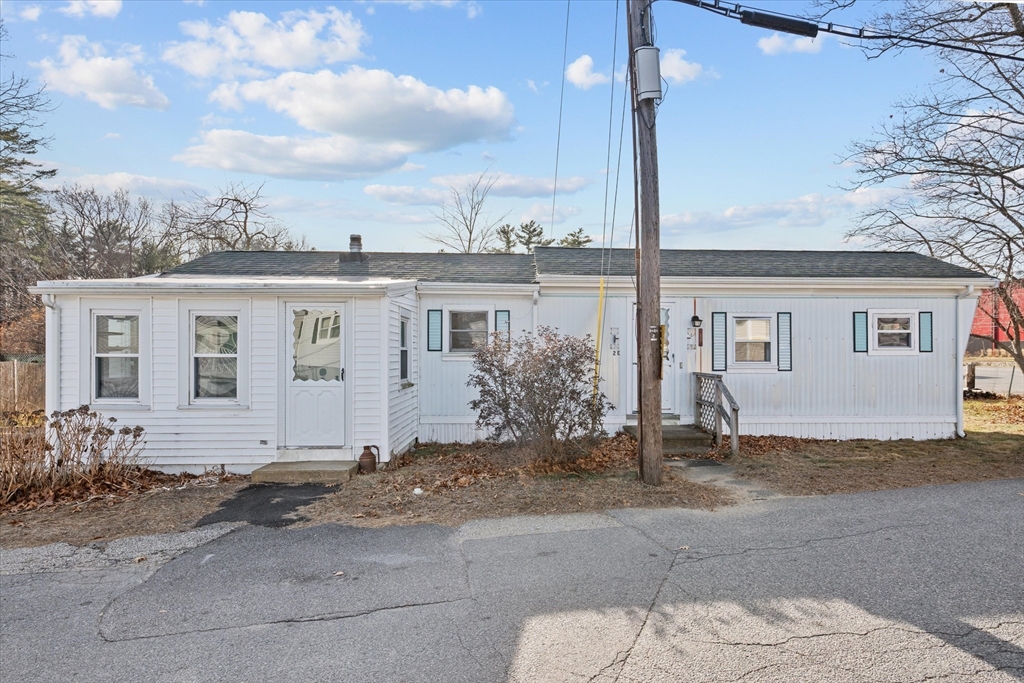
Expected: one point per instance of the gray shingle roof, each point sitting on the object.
(425, 267)
(753, 263)
(523, 268)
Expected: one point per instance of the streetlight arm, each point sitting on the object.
(786, 23)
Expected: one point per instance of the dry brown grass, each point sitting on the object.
(463, 482)
(993, 449)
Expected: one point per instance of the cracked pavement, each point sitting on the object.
(922, 584)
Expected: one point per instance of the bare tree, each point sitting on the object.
(957, 152)
(234, 218)
(23, 210)
(463, 226)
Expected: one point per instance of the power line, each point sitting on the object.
(789, 23)
(561, 101)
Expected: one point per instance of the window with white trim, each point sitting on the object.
(403, 349)
(116, 357)
(752, 340)
(214, 357)
(467, 330)
(893, 332)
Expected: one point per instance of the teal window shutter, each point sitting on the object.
(718, 342)
(860, 332)
(925, 323)
(433, 330)
(501, 321)
(785, 342)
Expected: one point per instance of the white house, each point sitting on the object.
(246, 358)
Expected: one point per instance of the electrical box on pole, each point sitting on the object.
(648, 72)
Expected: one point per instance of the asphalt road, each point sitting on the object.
(912, 585)
(1000, 379)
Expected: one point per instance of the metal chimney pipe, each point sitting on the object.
(355, 243)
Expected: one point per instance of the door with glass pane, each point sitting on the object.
(315, 410)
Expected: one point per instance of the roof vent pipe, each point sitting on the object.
(355, 243)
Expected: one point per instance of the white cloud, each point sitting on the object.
(677, 70)
(31, 12)
(321, 158)
(112, 136)
(473, 9)
(245, 43)
(532, 86)
(148, 186)
(375, 105)
(404, 194)
(541, 212)
(84, 71)
(509, 185)
(810, 210)
(777, 44)
(97, 8)
(226, 95)
(581, 73)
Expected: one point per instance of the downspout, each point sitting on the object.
(536, 309)
(52, 399)
(959, 361)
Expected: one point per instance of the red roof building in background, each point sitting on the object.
(992, 320)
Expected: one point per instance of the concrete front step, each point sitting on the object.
(680, 439)
(306, 472)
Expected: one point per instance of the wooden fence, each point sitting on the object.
(22, 386)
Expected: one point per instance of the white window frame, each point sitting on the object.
(446, 338)
(914, 331)
(405, 320)
(88, 311)
(193, 314)
(187, 312)
(732, 365)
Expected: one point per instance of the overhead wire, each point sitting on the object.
(561, 102)
(604, 219)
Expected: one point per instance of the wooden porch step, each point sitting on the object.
(306, 472)
(680, 439)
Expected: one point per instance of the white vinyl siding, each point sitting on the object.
(403, 393)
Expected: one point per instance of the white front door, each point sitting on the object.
(669, 361)
(315, 410)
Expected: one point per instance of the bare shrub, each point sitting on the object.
(77, 452)
(538, 389)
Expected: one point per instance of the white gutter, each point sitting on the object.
(52, 398)
(168, 286)
(959, 360)
(760, 284)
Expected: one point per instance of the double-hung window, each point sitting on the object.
(116, 357)
(467, 330)
(752, 340)
(894, 332)
(403, 349)
(214, 357)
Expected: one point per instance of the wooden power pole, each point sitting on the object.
(649, 329)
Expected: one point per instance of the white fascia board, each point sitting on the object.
(214, 285)
(619, 285)
(400, 288)
(464, 288)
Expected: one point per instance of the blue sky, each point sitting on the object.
(359, 116)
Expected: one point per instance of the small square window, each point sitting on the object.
(467, 330)
(753, 340)
(893, 332)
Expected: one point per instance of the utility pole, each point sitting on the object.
(649, 331)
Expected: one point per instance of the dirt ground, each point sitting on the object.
(993, 449)
(158, 511)
(459, 482)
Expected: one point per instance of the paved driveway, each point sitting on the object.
(913, 585)
(998, 378)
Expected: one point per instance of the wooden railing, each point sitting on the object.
(709, 409)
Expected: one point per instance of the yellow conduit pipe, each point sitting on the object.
(600, 326)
